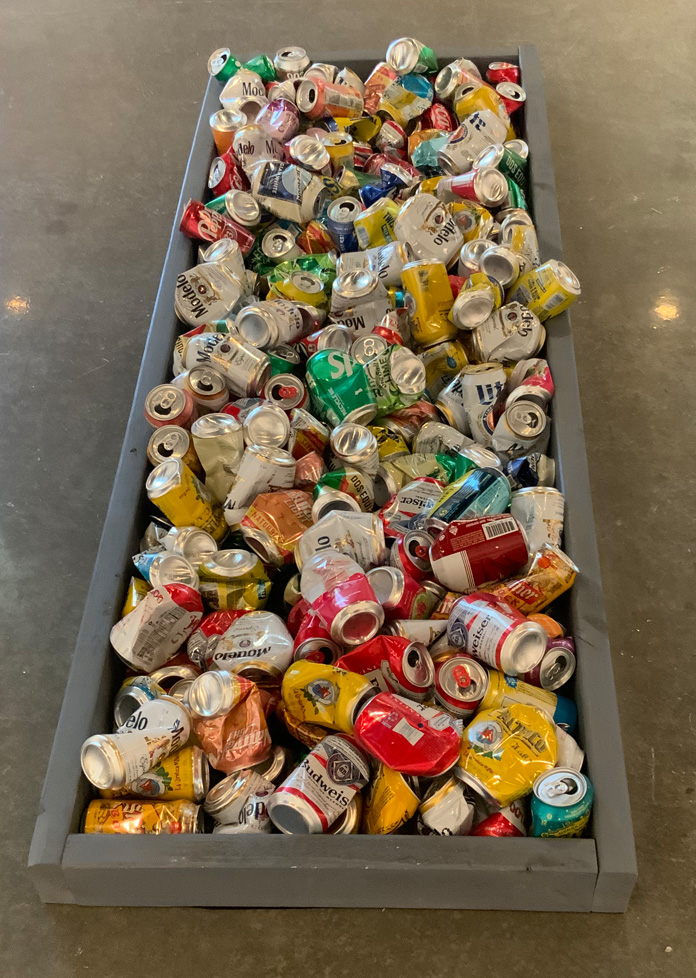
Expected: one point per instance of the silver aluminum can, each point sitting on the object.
(355, 445)
(249, 106)
(168, 568)
(453, 75)
(242, 208)
(329, 500)
(363, 318)
(309, 152)
(501, 264)
(290, 61)
(511, 92)
(518, 146)
(357, 534)
(190, 542)
(347, 77)
(260, 469)
(133, 694)
(279, 244)
(256, 646)
(319, 69)
(252, 145)
(476, 133)
(386, 260)
(510, 334)
(226, 253)
(522, 428)
(208, 291)
(241, 85)
(367, 347)
(270, 323)
(540, 511)
(245, 368)
(354, 287)
(438, 438)
(227, 800)
(425, 224)
(335, 336)
(214, 693)
(447, 808)
(219, 443)
(267, 426)
(288, 191)
(471, 254)
(472, 308)
(281, 89)
(471, 394)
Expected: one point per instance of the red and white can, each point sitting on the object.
(202, 224)
(391, 137)
(438, 116)
(508, 822)
(512, 95)
(496, 634)
(393, 665)
(154, 631)
(313, 642)
(460, 683)
(407, 736)
(502, 71)
(414, 499)
(530, 380)
(201, 643)
(469, 553)
(399, 594)
(410, 553)
(226, 174)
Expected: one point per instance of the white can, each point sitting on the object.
(425, 224)
(478, 131)
(496, 634)
(511, 333)
(320, 788)
(259, 470)
(229, 801)
(540, 511)
(255, 646)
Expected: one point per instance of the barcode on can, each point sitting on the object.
(551, 301)
(498, 529)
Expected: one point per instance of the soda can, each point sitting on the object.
(172, 441)
(530, 380)
(441, 439)
(496, 634)
(285, 391)
(222, 65)
(356, 446)
(280, 119)
(307, 434)
(319, 790)
(284, 359)
(428, 300)
(407, 736)
(510, 333)
(561, 804)
(399, 594)
(570, 754)
(476, 96)
(392, 664)
(547, 290)
(522, 240)
(410, 553)
(134, 817)
(169, 405)
(429, 229)
(340, 219)
(114, 760)
(377, 81)
(470, 553)
(339, 388)
(339, 146)
(290, 62)
(522, 428)
(201, 224)
(274, 524)
(447, 809)
(460, 683)
(224, 124)
(540, 512)
(512, 94)
(408, 55)
(466, 401)
(227, 800)
(556, 667)
(317, 97)
(405, 99)
(313, 642)
(551, 574)
(219, 442)
(396, 377)
(226, 174)
(279, 245)
(368, 346)
(478, 131)
(137, 589)
(499, 71)
(153, 631)
(453, 75)
(485, 186)
(319, 69)
(259, 470)
(481, 492)
(534, 469)
(502, 823)
(504, 751)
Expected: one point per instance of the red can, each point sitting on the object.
(226, 174)
(202, 224)
(279, 118)
(297, 615)
(512, 95)
(407, 736)
(315, 239)
(393, 665)
(460, 683)
(316, 98)
(438, 116)
(313, 642)
(199, 648)
(391, 335)
(375, 163)
(509, 822)
(469, 553)
(391, 137)
(361, 154)
(411, 553)
(400, 595)
(499, 71)
(379, 79)
(456, 284)
(168, 404)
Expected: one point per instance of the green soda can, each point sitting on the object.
(358, 485)
(407, 55)
(284, 359)
(474, 457)
(561, 803)
(509, 163)
(339, 389)
(263, 66)
(222, 65)
(516, 196)
(397, 378)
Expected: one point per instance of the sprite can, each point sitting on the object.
(397, 378)
(339, 388)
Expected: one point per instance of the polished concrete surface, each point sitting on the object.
(98, 106)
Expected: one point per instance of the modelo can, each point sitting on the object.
(561, 804)
(387, 260)
(183, 775)
(320, 789)
(251, 145)
(391, 800)
(134, 817)
(211, 290)
(245, 368)
(429, 229)
(428, 300)
(392, 664)
(540, 512)
(511, 333)
(256, 646)
(547, 290)
(460, 682)
(496, 634)
(470, 553)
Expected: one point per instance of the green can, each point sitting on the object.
(351, 481)
(339, 389)
(397, 378)
(218, 205)
(561, 803)
(509, 163)
(516, 195)
(284, 359)
(407, 55)
(263, 66)
(222, 65)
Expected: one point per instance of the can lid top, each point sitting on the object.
(214, 425)
(169, 440)
(101, 762)
(472, 308)
(526, 419)
(310, 152)
(217, 60)
(561, 787)
(462, 678)
(565, 276)
(402, 54)
(228, 119)
(556, 668)
(501, 264)
(226, 791)
(330, 500)
(511, 91)
(518, 146)
(231, 563)
(307, 94)
(168, 568)
(165, 402)
(277, 242)
(206, 380)
(407, 371)
(242, 207)
(352, 442)
(164, 477)
(490, 186)
(356, 282)
(344, 209)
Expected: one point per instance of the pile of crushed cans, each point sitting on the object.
(340, 621)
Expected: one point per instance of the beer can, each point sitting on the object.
(226, 801)
(216, 692)
(428, 300)
(502, 690)
(551, 574)
(377, 81)
(472, 552)
(318, 791)
(243, 83)
(285, 391)
(476, 96)
(561, 804)
(496, 634)
(389, 442)
(176, 491)
(391, 800)
(441, 439)
(387, 260)
(287, 191)
(443, 362)
(132, 694)
(307, 434)
(275, 522)
(460, 683)
(453, 75)
(410, 553)
(375, 225)
(523, 427)
(405, 98)
(134, 817)
(447, 809)
(354, 288)
(470, 256)
(167, 404)
(530, 380)
(556, 667)
(222, 65)
(168, 568)
(512, 95)
(251, 144)
(290, 62)
(210, 290)
(358, 534)
(466, 401)
(540, 511)
(257, 646)
(392, 664)
(267, 426)
(253, 815)
(245, 368)
(480, 492)
(507, 822)
(206, 386)
(339, 146)
(476, 133)
(313, 642)
(534, 469)
(219, 442)
(355, 446)
(429, 229)
(340, 221)
(279, 245)
(137, 589)
(172, 441)
(395, 472)
(504, 158)
(547, 290)
(260, 469)
(510, 333)
(183, 775)
(400, 595)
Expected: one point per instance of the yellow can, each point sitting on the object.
(429, 185)
(389, 442)
(442, 363)
(183, 775)
(473, 98)
(185, 501)
(375, 226)
(142, 817)
(235, 595)
(389, 803)
(428, 300)
(547, 290)
(309, 734)
(137, 589)
(362, 130)
(522, 239)
(552, 572)
(323, 694)
(479, 281)
(300, 287)
(505, 750)
(339, 146)
(504, 690)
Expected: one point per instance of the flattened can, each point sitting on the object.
(510, 333)
(176, 491)
(443, 362)
(540, 511)
(429, 229)
(447, 809)
(375, 226)
(399, 594)
(551, 574)
(428, 300)
(390, 801)
(534, 469)
(547, 290)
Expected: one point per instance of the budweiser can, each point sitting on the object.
(470, 553)
(410, 553)
(392, 664)
(320, 789)
(496, 634)
(460, 682)
(399, 594)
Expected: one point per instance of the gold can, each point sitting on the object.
(349, 822)
(504, 690)
(505, 750)
(234, 580)
(552, 572)
(390, 802)
(142, 817)
(429, 186)
(444, 609)
(442, 363)
(339, 146)
(428, 300)
(331, 697)
(471, 98)
(375, 226)
(184, 775)
(309, 734)
(473, 220)
(137, 589)
(362, 130)
(300, 287)
(389, 442)
(183, 499)
(547, 290)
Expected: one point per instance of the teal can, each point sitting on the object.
(480, 492)
(561, 804)
(284, 359)
(339, 389)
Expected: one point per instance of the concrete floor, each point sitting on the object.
(98, 106)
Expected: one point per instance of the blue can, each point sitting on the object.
(340, 221)
(530, 471)
(566, 714)
(561, 803)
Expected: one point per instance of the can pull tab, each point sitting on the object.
(562, 787)
(461, 676)
(421, 552)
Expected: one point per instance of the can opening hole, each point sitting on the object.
(413, 658)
